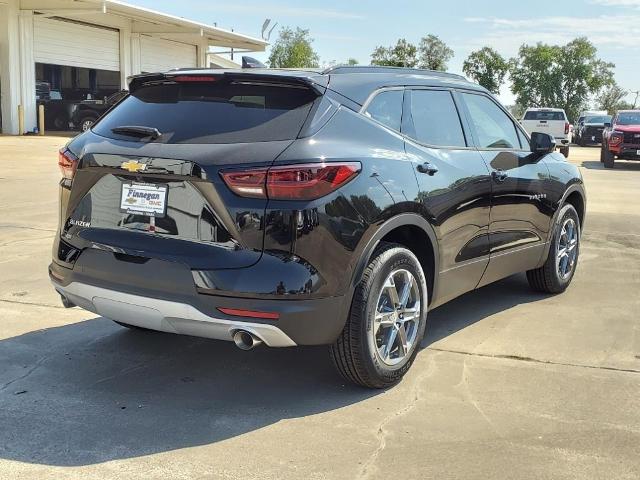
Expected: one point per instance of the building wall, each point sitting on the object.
(9, 61)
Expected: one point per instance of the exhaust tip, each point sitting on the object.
(66, 303)
(245, 340)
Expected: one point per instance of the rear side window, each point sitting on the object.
(541, 115)
(493, 127)
(210, 112)
(386, 108)
(435, 119)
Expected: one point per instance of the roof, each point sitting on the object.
(358, 85)
(544, 109)
(341, 69)
(145, 21)
(629, 111)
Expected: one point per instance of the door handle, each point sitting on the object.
(499, 175)
(427, 168)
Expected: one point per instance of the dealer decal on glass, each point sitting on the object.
(144, 199)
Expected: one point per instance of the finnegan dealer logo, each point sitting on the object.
(145, 195)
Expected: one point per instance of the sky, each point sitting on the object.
(353, 29)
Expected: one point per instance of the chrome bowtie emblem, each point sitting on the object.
(133, 166)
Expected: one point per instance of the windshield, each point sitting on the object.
(628, 118)
(598, 119)
(209, 112)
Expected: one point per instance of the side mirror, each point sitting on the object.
(607, 124)
(542, 143)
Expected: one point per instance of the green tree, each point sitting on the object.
(293, 49)
(610, 99)
(559, 76)
(352, 61)
(403, 54)
(487, 67)
(434, 53)
(517, 110)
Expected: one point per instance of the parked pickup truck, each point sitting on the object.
(589, 130)
(552, 121)
(85, 113)
(621, 138)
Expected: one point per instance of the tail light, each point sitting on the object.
(307, 181)
(566, 127)
(67, 162)
(616, 138)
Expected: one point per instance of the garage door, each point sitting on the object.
(77, 45)
(160, 55)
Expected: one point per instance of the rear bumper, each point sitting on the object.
(163, 295)
(166, 316)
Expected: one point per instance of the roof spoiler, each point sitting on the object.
(316, 84)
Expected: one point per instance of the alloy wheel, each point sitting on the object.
(397, 317)
(567, 248)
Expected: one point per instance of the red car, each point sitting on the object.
(621, 138)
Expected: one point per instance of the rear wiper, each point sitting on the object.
(137, 131)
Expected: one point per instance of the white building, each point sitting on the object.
(89, 48)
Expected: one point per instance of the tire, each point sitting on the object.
(565, 151)
(133, 327)
(357, 353)
(608, 159)
(86, 123)
(602, 153)
(580, 141)
(548, 278)
(60, 123)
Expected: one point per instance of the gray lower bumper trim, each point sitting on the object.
(165, 316)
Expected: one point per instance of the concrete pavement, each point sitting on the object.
(509, 384)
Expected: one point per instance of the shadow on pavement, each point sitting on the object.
(92, 392)
(619, 165)
(478, 305)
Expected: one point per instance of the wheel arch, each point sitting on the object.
(574, 195)
(576, 198)
(412, 231)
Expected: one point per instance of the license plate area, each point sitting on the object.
(144, 199)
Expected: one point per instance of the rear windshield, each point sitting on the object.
(628, 118)
(210, 112)
(541, 115)
(598, 119)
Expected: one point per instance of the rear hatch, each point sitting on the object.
(551, 122)
(148, 181)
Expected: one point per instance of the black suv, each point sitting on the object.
(305, 208)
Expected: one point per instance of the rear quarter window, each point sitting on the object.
(540, 115)
(211, 112)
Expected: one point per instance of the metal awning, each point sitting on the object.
(145, 21)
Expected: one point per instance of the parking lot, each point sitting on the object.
(509, 384)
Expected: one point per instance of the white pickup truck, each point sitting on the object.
(552, 121)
